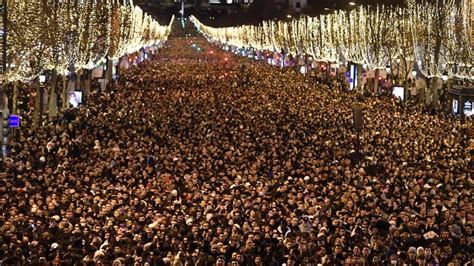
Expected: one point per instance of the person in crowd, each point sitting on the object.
(179, 165)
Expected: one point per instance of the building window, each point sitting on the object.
(298, 5)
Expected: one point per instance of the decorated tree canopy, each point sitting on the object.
(435, 36)
(69, 35)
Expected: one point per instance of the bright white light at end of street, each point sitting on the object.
(289, 16)
(352, 3)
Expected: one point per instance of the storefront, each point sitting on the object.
(462, 99)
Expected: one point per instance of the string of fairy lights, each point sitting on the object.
(433, 38)
(69, 35)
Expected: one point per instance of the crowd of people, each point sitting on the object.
(182, 163)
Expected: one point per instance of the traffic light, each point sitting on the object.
(5, 126)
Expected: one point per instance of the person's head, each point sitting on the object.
(356, 251)
(393, 259)
(421, 260)
(337, 249)
(291, 261)
(412, 253)
(365, 251)
(220, 261)
(376, 260)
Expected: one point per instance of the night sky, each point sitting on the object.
(231, 15)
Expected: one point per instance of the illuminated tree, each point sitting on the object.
(432, 23)
(26, 41)
(378, 39)
(66, 37)
(460, 42)
(436, 36)
(404, 42)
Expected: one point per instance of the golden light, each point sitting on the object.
(371, 36)
(74, 36)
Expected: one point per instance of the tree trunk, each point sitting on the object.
(110, 65)
(4, 98)
(64, 92)
(15, 97)
(376, 81)
(37, 112)
(405, 89)
(117, 68)
(359, 77)
(422, 95)
(406, 85)
(87, 84)
(53, 104)
(78, 84)
(3, 94)
(428, 92)
(434, 86)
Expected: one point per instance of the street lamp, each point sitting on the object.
(445, 76)
(351, 3)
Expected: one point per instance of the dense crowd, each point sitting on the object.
(183, 163)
